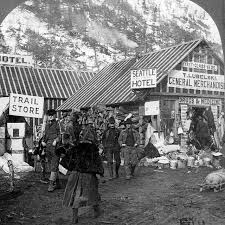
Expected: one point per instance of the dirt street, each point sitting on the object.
(155, 197)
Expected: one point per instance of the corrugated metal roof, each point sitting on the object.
(112, 84)
(48, 83)
(103, 85)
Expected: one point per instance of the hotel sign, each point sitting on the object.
(197, 81)
(203, 66)
(143, 78)
(16, 60)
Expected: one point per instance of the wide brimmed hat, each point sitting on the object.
(51, 112)
(111, 120)
(128, 121)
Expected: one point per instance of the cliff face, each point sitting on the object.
(91, 34)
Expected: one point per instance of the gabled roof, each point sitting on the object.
(112, 84)
(48, 83)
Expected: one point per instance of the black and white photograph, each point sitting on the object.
(112, 112)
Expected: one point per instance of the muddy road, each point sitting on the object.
(156, 197)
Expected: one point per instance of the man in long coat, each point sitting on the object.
(51, 139)
(64, 121)
(112, 147)
(203, 132)
(129, 140)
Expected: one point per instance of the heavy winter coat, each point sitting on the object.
(110, 138)
(210, 120)
(85, 158)
(123, 137)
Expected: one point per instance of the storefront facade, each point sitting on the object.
(188, 75)
(52, 85)
(195, 83)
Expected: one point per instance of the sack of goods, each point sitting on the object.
(214, 180)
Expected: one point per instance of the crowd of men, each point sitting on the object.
(75, 146)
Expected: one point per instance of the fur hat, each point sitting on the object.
(111, 120)
(51, 112)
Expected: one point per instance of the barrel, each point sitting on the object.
(181, 164)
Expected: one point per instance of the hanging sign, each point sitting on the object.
(17, 60)
(197, 65)
(199, 101)
(26, 105)
(143, 78)
(152, 108)
(197, 81)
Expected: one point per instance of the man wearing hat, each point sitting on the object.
(88, 134)
(202, 131)
(112, 147)
(129, 140)
(64, 121)
(51, 140)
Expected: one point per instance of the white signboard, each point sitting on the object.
(17, 60)
(196, 65)
(198, 81)
(152, 108)
(200, 101)
(26, 105)
(143, 78)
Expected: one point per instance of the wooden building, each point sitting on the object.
(55, 85)
(188, 75)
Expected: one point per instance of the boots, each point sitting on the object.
(75, 216)
(127, 172)
(117, 170)
(43, 179)
(110, 169)
(52, 186)
(96, 211)
(57, 182)
(132, 170)
(52, 182)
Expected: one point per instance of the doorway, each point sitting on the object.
(197, 111)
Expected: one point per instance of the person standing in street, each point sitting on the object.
(220, 128)
(51, 139)
(63, 122)
(208, 114)
(112, 148)
(129, 140)
(82, 185)
(203, 132)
